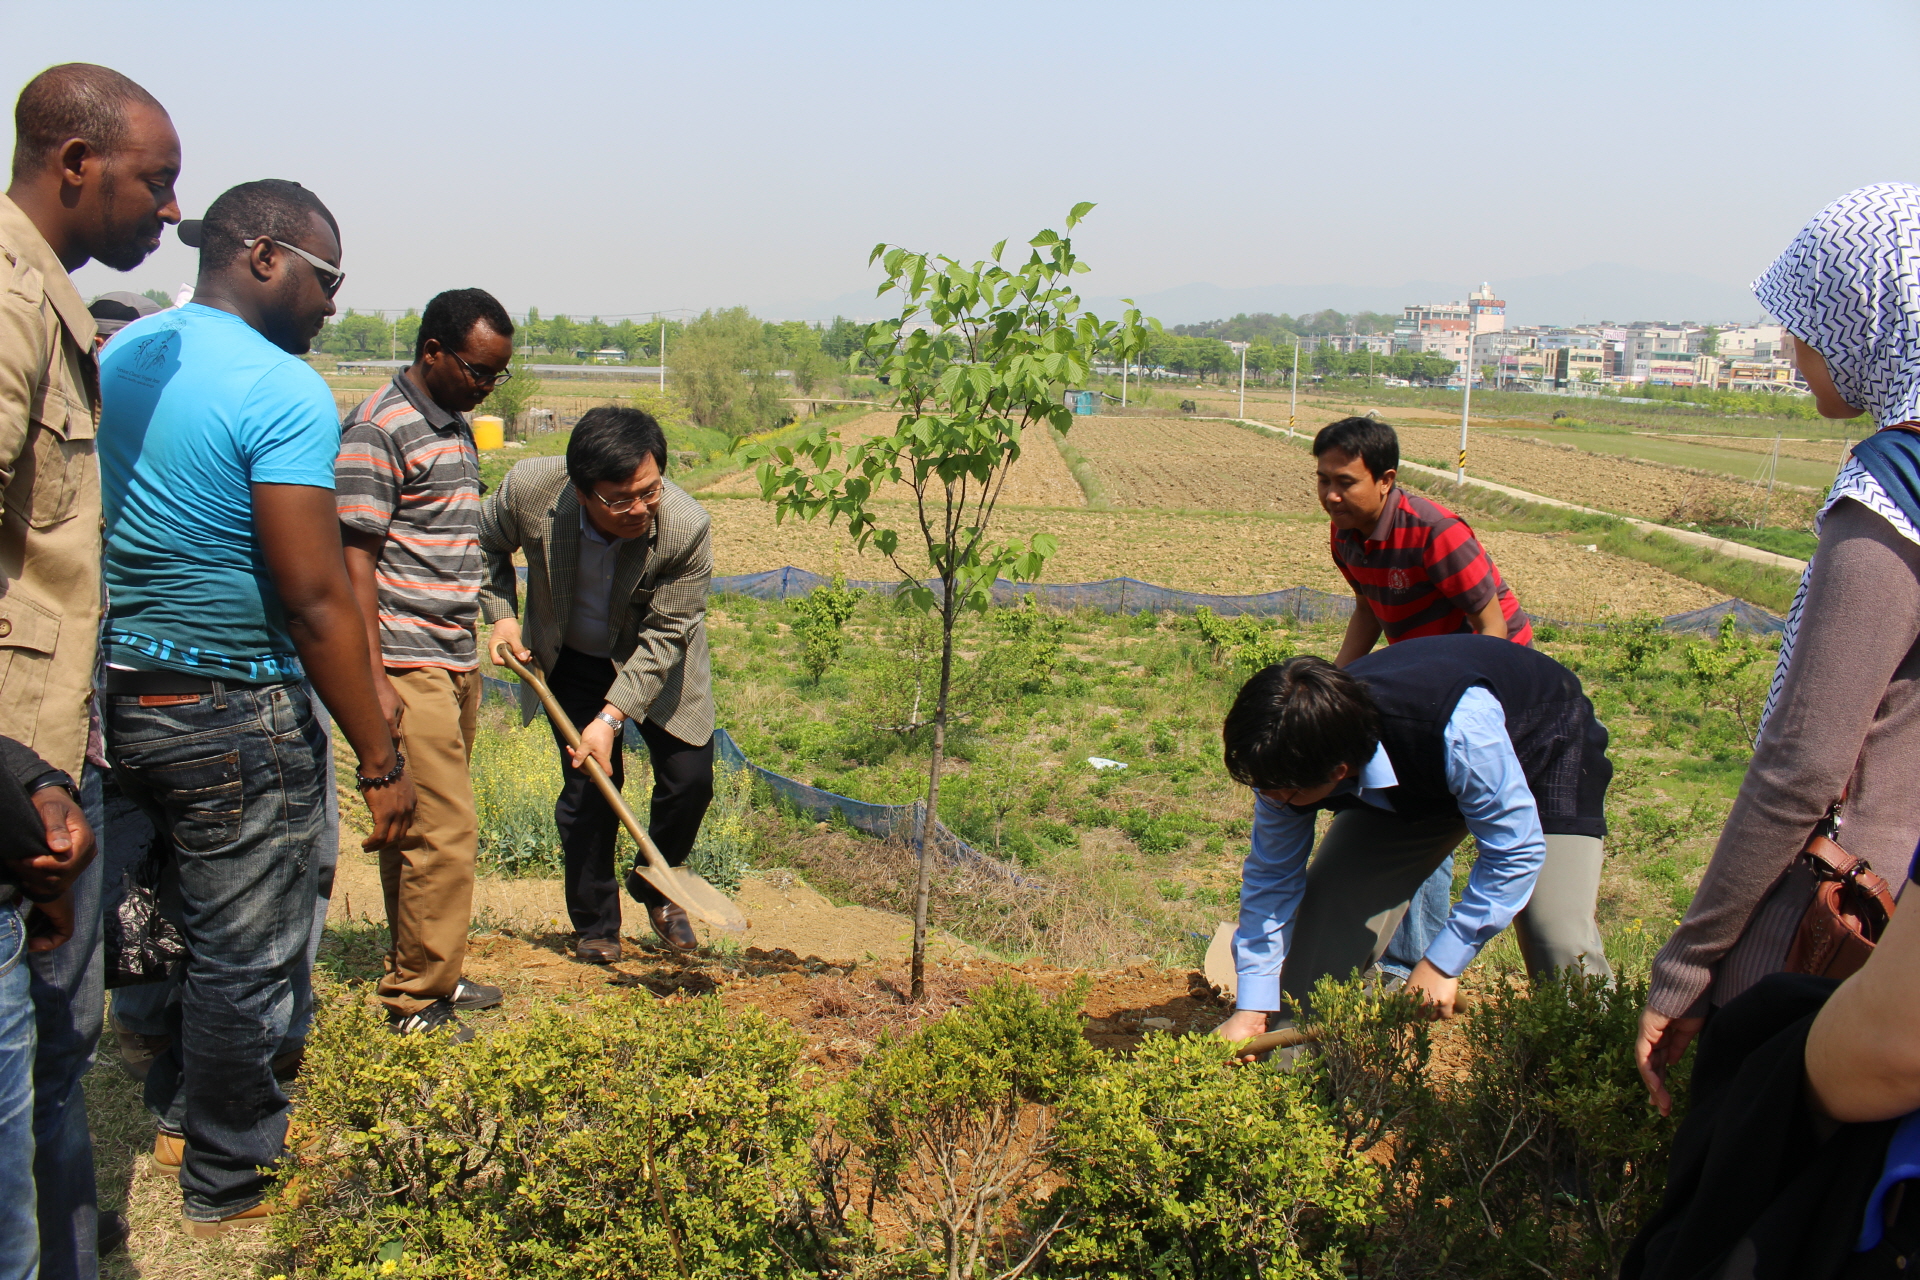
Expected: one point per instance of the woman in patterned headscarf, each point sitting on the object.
(1843, 716)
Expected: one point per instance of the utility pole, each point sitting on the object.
(1773, 471)
(1293, 398)
(663, 354)
(1125, 363)
(1243, 376)
(1466, 397)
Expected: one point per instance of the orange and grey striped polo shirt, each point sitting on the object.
(408, 469)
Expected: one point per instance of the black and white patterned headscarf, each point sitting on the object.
(1849, 286)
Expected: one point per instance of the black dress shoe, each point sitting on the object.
(671, 924)
(468, 994)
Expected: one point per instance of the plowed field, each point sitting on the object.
(1182, 465)
(1644, 489)
(1222, 554)
(1039, 479)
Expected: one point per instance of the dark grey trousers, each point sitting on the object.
(1370, 864)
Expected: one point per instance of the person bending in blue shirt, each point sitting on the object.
(1413, 748)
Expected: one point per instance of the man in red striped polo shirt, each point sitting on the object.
(1416, 570)
(1415, 567)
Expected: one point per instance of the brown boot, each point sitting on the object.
(169, 1149)
(671, 923)
(208, 1230)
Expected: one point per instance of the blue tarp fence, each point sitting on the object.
(882, 821)
(1130, 595)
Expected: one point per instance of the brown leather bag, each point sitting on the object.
(1850, 909)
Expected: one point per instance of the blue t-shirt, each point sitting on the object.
(195, 406)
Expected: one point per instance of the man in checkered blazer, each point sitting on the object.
(618, 561)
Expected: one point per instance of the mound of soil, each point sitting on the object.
(841, 1009)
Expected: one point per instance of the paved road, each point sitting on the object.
(1735, 550)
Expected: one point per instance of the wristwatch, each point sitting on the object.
(55, 778)
(604, 718)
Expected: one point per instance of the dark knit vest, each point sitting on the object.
(1562, 748)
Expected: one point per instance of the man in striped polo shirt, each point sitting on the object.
(408, 480)
(1416, 570)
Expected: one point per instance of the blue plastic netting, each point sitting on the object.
(882, 821)
(1130, 595)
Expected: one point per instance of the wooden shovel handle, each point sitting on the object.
(1288, 1037)
(571, 736)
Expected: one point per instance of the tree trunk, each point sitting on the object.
(930, 815)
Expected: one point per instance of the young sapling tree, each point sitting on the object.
(978, 354)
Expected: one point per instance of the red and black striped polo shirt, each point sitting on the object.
(1422, 571)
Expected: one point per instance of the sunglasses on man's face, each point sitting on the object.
(330, 276)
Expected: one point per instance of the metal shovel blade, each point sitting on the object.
(700, 900)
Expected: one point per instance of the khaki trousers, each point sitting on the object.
(428, 875)
(1370, 864)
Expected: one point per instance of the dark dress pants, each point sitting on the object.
(682, 789)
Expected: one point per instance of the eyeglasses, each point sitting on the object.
(481, 379)
(650, 498)
(331, 277)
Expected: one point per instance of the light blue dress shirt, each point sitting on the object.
(1487, 783)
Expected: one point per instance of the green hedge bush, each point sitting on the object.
(627, 1137)
(630, 1136)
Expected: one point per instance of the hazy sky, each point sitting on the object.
(629, 157)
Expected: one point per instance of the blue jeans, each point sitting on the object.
(1426, 917)
(239, 782)
(19, 1231)
(126, 839)
(69, 1004)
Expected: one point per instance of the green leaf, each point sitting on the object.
(1080, 211)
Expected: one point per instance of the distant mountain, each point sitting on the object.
(1601, 291)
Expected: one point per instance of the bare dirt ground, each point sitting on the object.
(1039, 479)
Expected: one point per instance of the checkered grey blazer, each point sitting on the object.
(659, 641)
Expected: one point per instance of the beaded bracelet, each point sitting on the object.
(390, 776)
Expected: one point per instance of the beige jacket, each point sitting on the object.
(658, 641)
(49, 498)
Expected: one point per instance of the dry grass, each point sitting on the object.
(984, 901)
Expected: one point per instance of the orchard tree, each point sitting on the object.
(977, 356)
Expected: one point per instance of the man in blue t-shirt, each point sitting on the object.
(228, 590)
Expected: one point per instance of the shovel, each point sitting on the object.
(1288, 1037)
(1220, 972)
(692, 893)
